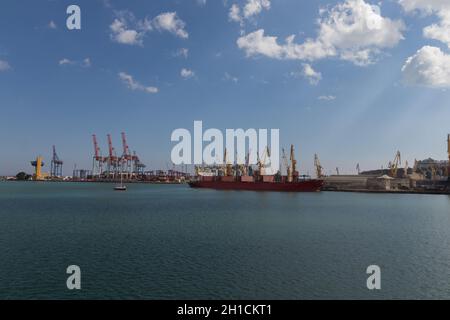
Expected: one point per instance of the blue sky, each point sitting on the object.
(345, 96)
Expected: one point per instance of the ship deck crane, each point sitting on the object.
(294, 173)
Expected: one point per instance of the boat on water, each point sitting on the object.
(245, 177)
(120, 187)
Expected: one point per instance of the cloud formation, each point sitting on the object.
(441, 8)
(428, 67)
(250, 9)
(135, 85)
(170, 22)
(353, 31)
(327, 98)
(182, 52)
(126, 29)
(4, 65)
(187, 73)
(86, 63)
(310, 74)
(52, 25)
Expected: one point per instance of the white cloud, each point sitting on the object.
(229, 77)
(254, 7)
(187, 73)
(86, 63)
(182, 52)
(327, 98)
(126, 29)
(310, 74)
(354, 31)
(235, 13)
(65, 61)
(201, 2)
(429, 67)
(169, 21)
(441, 8)
(52, 25)
(426, 6)
(135, 85)
(123, 34)
(251, 8)
(4, 65)
(257, 43)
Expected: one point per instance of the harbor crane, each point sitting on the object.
(394, 165)
(262, 163)
(285, 160)
(97, 161)
(293, 165)
(318, 166)
(56, 165)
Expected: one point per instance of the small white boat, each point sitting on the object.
(120, 187)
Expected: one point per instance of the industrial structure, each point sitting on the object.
(426, 175)
(38, 174)
(113, 166)
(56, 165)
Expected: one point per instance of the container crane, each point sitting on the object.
(126, 159)
(97, 161)
(112, 159)
(56, 165)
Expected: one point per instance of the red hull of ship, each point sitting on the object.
(300, 186)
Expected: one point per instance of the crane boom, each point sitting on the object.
(96, 147)
(126, 150)
(110, 147)
(393, 166)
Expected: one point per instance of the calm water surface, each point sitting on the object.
(172, 242)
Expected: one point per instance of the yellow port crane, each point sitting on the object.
(318, 166)
(38, 164)
(393, 166)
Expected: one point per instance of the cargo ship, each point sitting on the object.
(243, 177)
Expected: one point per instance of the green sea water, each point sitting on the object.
(173, 242)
